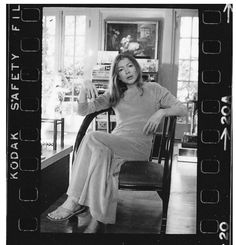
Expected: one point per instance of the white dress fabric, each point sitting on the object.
(96, 167)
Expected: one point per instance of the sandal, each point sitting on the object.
(69, 213)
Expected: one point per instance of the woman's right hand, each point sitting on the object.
(89, 89)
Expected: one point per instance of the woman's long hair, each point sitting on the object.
(116, 86)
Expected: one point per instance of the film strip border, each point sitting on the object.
(24, 113)
(214, 125)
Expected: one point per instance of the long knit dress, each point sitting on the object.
(96, 167)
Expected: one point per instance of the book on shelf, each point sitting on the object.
(101, 71)
(100, 76)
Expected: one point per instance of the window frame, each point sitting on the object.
(178, 13)
(67, 12)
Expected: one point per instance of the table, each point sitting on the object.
(54, 175)
(56, 122)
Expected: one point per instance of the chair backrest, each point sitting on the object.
(166, 153)
(162, 148)
(83, 128)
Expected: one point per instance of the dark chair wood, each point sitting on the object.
(145, 175)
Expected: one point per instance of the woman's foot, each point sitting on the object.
(67, 210)
(95, 227)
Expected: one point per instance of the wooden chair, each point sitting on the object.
(145, 175)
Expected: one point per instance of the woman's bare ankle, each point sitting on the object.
(71, 203)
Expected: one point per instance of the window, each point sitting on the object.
(73, 58)
(63, 62)
(188, 59)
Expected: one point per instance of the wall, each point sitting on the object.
(167, 72)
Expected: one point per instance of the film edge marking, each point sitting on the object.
(14, 155)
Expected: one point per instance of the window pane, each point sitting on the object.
(79, 66)
(69, 25)
(68, 66)
(186, 90)
(192, 90)
(67, 98)
(186, 27)
(195, 27)
(66, 107)
(184, 70)
(185, 48)
(79, 46)
(74, 55)
(194, 51)
(69, 46)
(182, 92)
(80, 25)
(194, 71)
(65, 83)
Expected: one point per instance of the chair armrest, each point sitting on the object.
(83, 128)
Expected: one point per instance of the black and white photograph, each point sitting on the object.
(119, 133)
(118, 123)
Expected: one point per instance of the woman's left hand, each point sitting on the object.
(153, 122)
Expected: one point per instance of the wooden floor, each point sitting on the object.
(140, 212)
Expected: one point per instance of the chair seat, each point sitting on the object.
(146, 175)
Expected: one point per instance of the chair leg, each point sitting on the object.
(163, 225)
(165, 202)
(164, 216)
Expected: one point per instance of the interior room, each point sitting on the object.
(80, 43)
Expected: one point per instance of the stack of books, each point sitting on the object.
(101, 71)
(100, 76)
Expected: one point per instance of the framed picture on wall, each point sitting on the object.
(138, 38)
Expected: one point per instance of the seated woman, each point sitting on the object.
(139, 108)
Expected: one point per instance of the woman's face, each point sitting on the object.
(127, 72)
